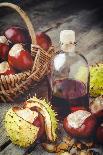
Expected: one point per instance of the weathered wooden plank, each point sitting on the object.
(40, 151)
(12, 150)
(89, 37)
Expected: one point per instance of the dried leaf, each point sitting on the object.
(63, 153)
(62, 146)
(69, 141)
(49, 147)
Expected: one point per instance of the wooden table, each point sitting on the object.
(52, 17)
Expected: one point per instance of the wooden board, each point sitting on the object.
(53, 18)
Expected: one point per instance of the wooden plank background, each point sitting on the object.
(52, 17)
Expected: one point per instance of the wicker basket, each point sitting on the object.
(13, 86)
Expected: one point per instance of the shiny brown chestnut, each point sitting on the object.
(99, 134)
(6, 69)
(4, 48)
(96, 108)
(80, 124)
(19, 58)
(16, 34)
(43, 40)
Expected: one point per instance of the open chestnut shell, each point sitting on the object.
(23, 126)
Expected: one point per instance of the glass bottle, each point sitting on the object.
(69, 77)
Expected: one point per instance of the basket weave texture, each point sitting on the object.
(12, 86)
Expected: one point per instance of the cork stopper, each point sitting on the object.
(67, 36)
(67, 40)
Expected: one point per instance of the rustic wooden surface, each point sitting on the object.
(53, 17)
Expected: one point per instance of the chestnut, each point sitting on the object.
(43, 40)
(6, 69)
(4, 48)
(97, 104)
(19, 58)
(16, 34)
(23, 126)
(32, 117)
(4, 40)
(96, 108)
(99, 134)
(80, 124)
(76, 108)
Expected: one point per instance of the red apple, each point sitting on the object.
(6, 69)
(32, 117)
(80, 124)
(17, 34)
(99, 134)
(19, 58)
(43, 40)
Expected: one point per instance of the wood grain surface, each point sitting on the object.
(52, 18)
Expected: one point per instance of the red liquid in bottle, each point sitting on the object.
(69, 94)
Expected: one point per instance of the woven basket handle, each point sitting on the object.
(25, 19)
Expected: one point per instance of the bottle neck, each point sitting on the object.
(70, 48)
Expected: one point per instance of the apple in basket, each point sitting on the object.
(43, 40)
(4, 48)
(16, 34)
(80, 124)
(19, 58)
(6, 69)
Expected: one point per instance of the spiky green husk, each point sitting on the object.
(96, 78)
(20, 131)
(46, 110)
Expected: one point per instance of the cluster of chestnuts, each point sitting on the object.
(15, 55)
(86, 124)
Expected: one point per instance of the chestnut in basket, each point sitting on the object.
(19, 58)
(43, 40)
(16, 34)
(6, 69)
(80, 124)
(4, 48)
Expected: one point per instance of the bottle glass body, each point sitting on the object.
(69, 83)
